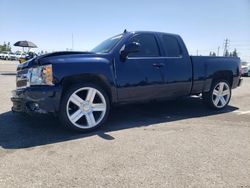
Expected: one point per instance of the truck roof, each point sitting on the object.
(153, 32)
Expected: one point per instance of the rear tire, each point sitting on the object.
(219, 95)
(84, 107)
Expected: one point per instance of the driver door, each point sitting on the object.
(139, 75)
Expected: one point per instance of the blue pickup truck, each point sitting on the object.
(81, 87)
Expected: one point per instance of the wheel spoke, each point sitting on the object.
(216, 92)
(99, 107)
(76, 115)
(221, 87)
(217, 100)
(76, 99)
(91, 95)
(90, 119)
(223, 102)
(225, 92)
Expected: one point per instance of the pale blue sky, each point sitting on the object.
(203, 24)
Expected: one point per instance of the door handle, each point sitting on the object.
(158, 65)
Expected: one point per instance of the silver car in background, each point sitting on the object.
(245, 68)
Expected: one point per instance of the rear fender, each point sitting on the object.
(224, 75)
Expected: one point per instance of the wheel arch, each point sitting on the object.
(99, 80)
(219, 75)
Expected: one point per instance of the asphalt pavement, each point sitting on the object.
(8, 67)
(165, 144)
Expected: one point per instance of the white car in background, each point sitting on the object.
(2, 55)
(8, 56)
(245, 68)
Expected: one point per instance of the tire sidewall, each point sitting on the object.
(63, 106)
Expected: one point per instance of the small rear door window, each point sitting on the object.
(171, 46)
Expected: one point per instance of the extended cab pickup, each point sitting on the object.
(80, 87)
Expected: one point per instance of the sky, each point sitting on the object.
(203, 24)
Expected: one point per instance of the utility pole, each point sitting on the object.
(226, 46)
(72, 40)
(218, 51)
(197, 52)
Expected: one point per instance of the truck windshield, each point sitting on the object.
(107, 45)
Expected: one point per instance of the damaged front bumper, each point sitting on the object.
(36, 99)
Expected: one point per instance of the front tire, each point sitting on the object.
(84, 107)
(219, 95)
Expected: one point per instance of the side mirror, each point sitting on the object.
(130, 48)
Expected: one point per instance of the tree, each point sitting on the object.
(235, 53)
(5, 47)
(8, 46)
(212, 54)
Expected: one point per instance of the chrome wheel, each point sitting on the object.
(221, 95)
(86, 107)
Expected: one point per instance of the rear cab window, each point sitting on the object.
(149, 46)
(171, 46)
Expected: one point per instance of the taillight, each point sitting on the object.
(241, 70)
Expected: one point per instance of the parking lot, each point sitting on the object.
(166, 144)
(8, 67)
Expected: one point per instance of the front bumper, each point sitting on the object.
(36, 99)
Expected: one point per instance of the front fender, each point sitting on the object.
(86, 71)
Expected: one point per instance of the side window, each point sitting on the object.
(171, 46)
(149, 47)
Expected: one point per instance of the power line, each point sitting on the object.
(243, 49)
(241, 45)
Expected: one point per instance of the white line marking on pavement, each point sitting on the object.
(242, 112)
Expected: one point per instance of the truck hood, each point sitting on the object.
(60, 57)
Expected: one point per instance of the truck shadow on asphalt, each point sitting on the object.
(18, 132)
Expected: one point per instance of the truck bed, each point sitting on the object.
(207, 67)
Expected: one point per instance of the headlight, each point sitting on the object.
(42, 75)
